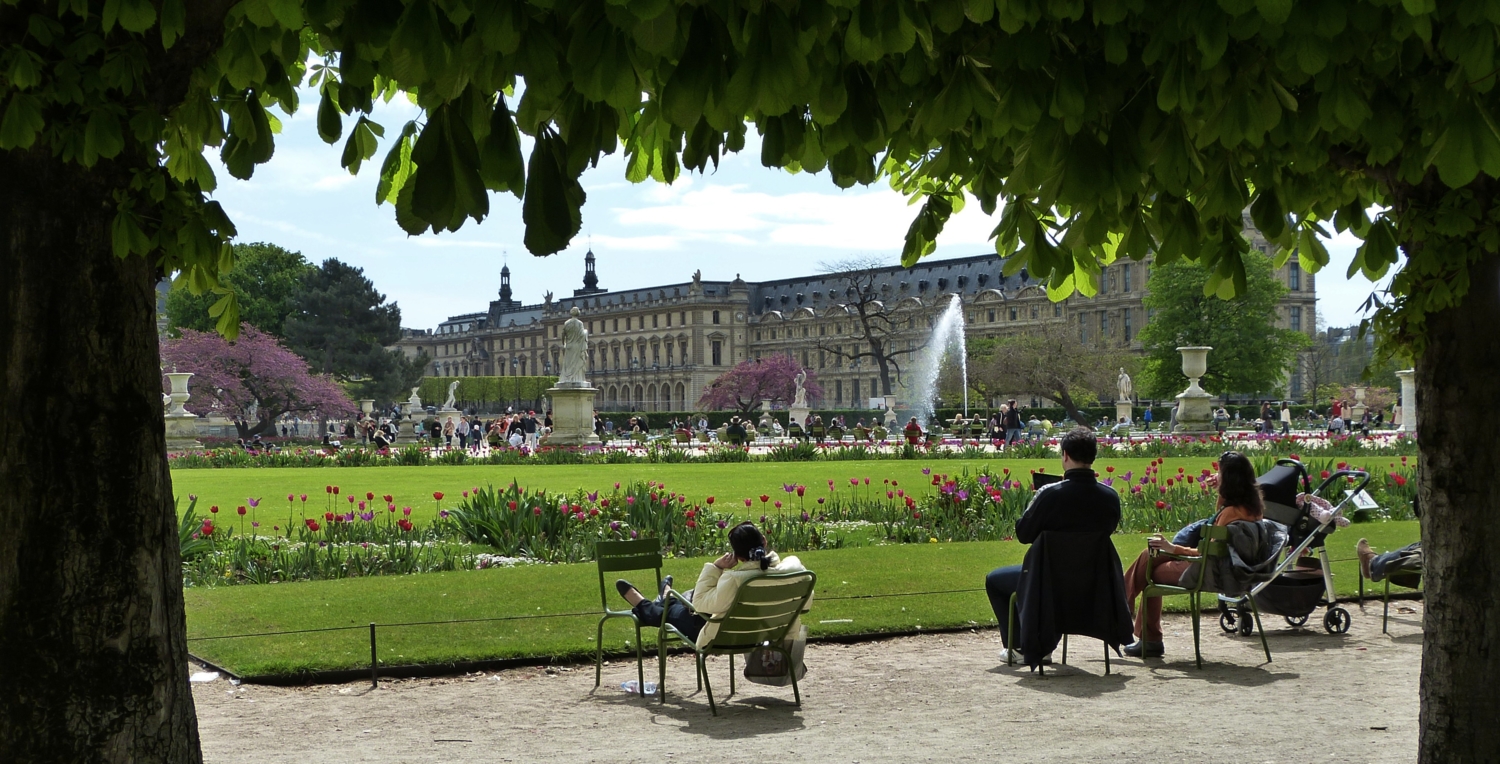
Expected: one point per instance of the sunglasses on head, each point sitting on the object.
(1224, 456)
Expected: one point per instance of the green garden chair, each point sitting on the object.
(762, 614)
(1406, 579)
(620, 557)
(1214, 543)
(1083, 551)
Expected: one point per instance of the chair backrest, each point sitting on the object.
(764, 609)
(1078, 562)
(617, 556)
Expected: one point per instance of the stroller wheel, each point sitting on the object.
(1336, 621)
(1227, 622)
(1247, 624)
(1296, 620)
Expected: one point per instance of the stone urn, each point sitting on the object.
(1195, 415)
(366, 407)
(1408, 408)
(179, 394)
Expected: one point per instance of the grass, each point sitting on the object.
(414, 486)
(855, 588)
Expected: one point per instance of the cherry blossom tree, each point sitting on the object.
(253, 379)
(757, 379)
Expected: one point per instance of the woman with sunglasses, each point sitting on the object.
(1239, 499)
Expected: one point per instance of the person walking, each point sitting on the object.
(448, 429)
(1012, 421)
(462, 431)
(530, 427)
(1286, 418)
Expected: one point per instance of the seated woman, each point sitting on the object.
(1239, 499)
(717, 585)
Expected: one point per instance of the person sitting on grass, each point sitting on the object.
(720, 580)
(1078, 503)
(1239, 499)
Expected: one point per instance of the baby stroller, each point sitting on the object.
(1302, 582)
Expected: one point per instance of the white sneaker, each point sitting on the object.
(1008, 655)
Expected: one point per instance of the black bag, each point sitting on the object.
(766, 666)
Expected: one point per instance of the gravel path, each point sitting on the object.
(941, 697)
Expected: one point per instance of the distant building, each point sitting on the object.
(658, 348)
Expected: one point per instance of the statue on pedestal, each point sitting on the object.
(1126, 387)
(800, 398)
(452, 393)
(575, 342)
(414, 403)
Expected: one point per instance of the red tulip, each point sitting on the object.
(438, 495)
(291, 497)
(764, 498)
(241, 510)
(709, 500)
(313, 526)
(335, 490)
(747, 502)
(510, 505)
(778, 505)
(692, 524)
(801, 490)
(1324, 475)
(1161, 505)
(350, 497)
(369, 495)
(327, 489)
(328, 516)
(214, 509)
(537, 511)
(1110, 468)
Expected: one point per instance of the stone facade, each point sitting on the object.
(658, 348)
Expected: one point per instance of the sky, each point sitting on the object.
(743, 219)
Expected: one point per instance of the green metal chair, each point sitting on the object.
(619, 557)
(1077, 549)
(1413, 581)
(1214, 543)
(762, 614)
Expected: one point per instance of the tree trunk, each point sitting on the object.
(1457, 392)
(1072, 408)
(92, 629)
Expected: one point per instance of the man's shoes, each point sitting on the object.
(1365, 554)
(666, 583)
(623, 586)
(1144, 649)
(1014, 656)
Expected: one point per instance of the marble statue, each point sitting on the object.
(415, 401)
(575, 342)
(1126, 387)
(800, 401)
(452, 393)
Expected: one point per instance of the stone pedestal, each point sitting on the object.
(406, 429)
(1408, 379)
(1123, 412)
(1357, 411)
(1195, 411)
(799, 415)
(366, 407)
(890, 413)
(181, 424)
(572, 417)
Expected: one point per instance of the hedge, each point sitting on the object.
(481, 391)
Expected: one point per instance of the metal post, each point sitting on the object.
(374, 660)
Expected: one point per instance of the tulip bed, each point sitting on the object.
(860, 591)
(365, 535)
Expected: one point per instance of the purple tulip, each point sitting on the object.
(615, 525)
(926, 470)
(192, 497)
(253, 502)
(594, 496)
(963, 495)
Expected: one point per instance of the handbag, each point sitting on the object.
(767, 666)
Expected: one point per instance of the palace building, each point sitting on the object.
(659, 348)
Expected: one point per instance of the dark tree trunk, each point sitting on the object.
(1072, 408)
(1458, 388)
(92, 630)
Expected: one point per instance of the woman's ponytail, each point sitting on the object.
(758, 554)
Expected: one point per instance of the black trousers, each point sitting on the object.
(650, 613)
(999, 585)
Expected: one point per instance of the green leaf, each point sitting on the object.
(22, 122)
(330, 122)
(173, 22)
(136, 15)
(500, 162)
(1467, 145)
(102, 139)
(551, 209)
(126, 236)
(1274, 11)
(288, 13)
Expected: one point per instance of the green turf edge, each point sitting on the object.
(539, 590)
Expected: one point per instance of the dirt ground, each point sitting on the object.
(941, 697)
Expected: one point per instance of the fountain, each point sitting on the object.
(947, 337)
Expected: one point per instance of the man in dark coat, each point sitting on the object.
(1077, 503)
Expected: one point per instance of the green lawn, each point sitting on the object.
(863, 574)
(730, 483)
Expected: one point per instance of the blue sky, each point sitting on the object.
(743, 219)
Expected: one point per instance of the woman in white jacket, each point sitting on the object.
(720, 580)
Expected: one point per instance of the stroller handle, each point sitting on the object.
(1363, 476)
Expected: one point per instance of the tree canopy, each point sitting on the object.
(266, 277)
(253, 377)
(753, 380)
(342, 325)
(1049, 361)
(1251, 354)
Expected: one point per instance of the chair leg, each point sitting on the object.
(707, 686)
(1197, 648)
(1106, 659)
(792, 670)
(731, 676)
(1255, 609)
(640, 665)
(1065, 650)
(1361, 577)
(1010, 659)
(1385, 614)
(599, 654)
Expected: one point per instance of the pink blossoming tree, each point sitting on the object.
(255, 374)
(756, 379)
